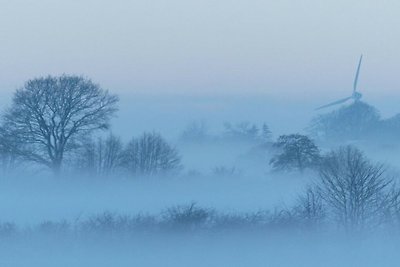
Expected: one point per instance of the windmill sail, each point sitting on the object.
(357, 74)
(355, 96)
(335, 103)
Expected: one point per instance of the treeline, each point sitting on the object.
(147, 155)
(52, 122)
(198, 132)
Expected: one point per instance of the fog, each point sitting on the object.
(227, 202)
(171, 113)
(214, 250)
(76, 218)
(186, 133)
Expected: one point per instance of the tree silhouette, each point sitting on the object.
(151, 155)
(297, 152)
(49, 115)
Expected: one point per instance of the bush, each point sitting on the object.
(187, 217)
(112, 224)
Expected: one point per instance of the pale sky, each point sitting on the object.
(281, 48)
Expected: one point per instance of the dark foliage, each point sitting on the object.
(296, 152)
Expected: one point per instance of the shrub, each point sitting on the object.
(187, 217)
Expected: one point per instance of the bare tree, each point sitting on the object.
(102, 157)
(297, 152)
(49, 115)
(355, 190)
(150, 154)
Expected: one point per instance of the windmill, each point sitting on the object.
(356, 96)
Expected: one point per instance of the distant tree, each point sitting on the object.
(356, 191)
(297, 152)
(195, 132)
(266, 134)
(243, 131)
(353, 122)
(49, 116)
(102, 157)
(151, 154)
(224, 171)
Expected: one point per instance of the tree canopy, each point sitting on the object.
(296, 152)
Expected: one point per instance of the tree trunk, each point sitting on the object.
(56, 167)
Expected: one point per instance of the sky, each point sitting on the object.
(284, 51)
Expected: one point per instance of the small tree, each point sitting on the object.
(103, 157)
(355, 190)
(297, 152)
(150, 154)
(48, 116)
